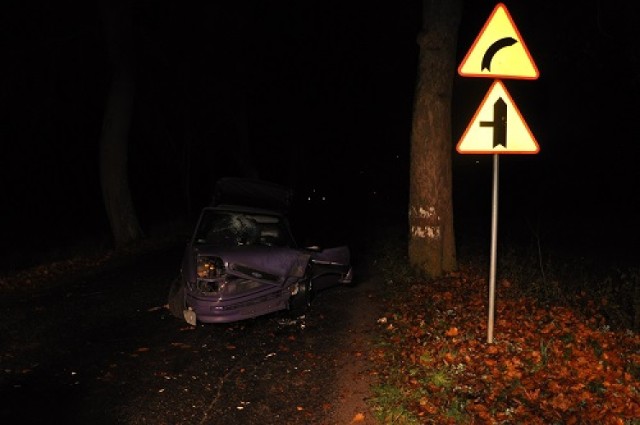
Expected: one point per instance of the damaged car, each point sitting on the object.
(242, 260)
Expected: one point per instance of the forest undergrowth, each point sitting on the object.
(559, 354)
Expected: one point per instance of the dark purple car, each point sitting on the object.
(243, 262)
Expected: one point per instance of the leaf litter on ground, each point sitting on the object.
(546, 364)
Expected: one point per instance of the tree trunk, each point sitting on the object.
(116, 125)
(431, 240)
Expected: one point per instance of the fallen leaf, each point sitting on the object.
(490, 362)
(359, 417)
(505, 283)
(453, 331)
(449, 358)
(532, 395)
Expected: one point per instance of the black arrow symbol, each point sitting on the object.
(493, 49)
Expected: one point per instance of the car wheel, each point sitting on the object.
(301, 300)
(176, 299)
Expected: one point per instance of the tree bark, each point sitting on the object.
(116, 125)
(432, 250)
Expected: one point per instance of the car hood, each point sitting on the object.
(281, 261)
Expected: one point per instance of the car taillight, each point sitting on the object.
(209, 267)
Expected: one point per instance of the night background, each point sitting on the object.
(328, 90)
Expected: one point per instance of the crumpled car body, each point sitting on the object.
(242, 262)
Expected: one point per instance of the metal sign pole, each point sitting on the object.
(494, 248)
(499, 32)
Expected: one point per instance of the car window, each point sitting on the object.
(237, 229)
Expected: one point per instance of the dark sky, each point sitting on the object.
(329, 83)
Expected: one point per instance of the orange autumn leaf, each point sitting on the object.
(427, 407)
(490, 362)
(359, 417)
(449, 358)
(548, 328)
(561, 402)
(513, 374)
(492, 349)
(532, 395)
(453, 331)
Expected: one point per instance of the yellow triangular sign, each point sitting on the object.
(499, 51)
(498, 127)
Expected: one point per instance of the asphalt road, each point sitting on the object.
(102, 349)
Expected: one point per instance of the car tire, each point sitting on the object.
(176, 299)
(300, 302)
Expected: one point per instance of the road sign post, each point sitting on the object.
(497, 126)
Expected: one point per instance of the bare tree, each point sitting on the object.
(117, 17)
(431, 240)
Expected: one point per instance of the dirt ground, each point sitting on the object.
(355, 377)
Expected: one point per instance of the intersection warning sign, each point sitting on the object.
(498, 127)
(499, 51)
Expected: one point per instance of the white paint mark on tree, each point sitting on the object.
(426, 213)
(431, 232)
(425, 223)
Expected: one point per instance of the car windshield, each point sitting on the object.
(230, 228)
